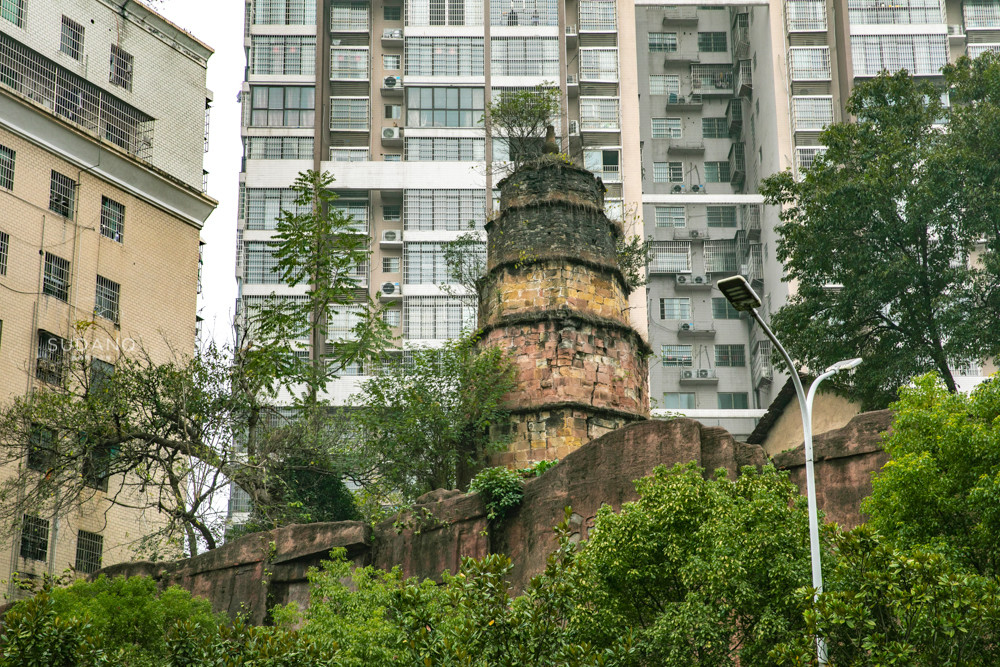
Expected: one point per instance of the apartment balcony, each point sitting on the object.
(805, 16)
(760, 363)
(392, 37)
(685, 146)
(809, 63)
(689, 330)
(734, 115)
(750, 221)
(349, 17)
(737, 164)
(572, 35)
(805, 156)
(680, 15)
(712, 79)
(741, 35)
(680, 57)
(744, 79)
(811, 113)
(699, 376)
(681, 102)
(981, 15)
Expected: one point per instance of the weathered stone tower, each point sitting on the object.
(555, 297)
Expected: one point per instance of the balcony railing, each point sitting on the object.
(741, 35)
(981, 15)
(809, 63)
(737, 163)
(750, 221)
(744, 78)
(712, 79)
(734, 115)
(805, 15)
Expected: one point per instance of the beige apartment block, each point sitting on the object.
(103, 125)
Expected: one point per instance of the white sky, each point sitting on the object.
(218, 23)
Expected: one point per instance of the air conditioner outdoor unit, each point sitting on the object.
(390, 288)
(687, 326)
(393, 82)
(694, 234)
(703, 372)
(700, 280)
(697, 187)
(677, 189)
(392, 33)
(682, 280)
(391, 236)
(391, 133)
(687, 374)
(574, 128)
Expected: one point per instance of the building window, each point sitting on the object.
(4, 251)
(678, 401)
(526, 56)
(675, 355)
(41, 448)
(599, 15)
(670, 257)
(920, 55)
(392, 212)
(662, 42)
(723, 310)
(71, 42)
(261, 264)
(392, 13)
(56, 281)
(721, 216)
(668, 172)
(7, 167)
(424, 263)
(121, 67)
(720, 256)
(436, 317)
(604, 163)
(49, 364)
(810, 63)
(712, 42)
(264, 206)
(598, 64)
(349, 62)
(390, 265)
(393, 157)
(112, 219)
(349, 16)
(391, 62)
(393, 111)
(451, 149)
(444, 210)
(812, 113)
(97, 466)
(288, 55)
(13, 11)
(714, 128)
(444, 56)
(282, 106)
(664, 84)
(599, 113)
(392, 317)
(670, 216)
(675, 309)
(730, 355)
(280, 148)
(733, 400)
(444, 107)
(89, 550)
(106, 299)
(443, 12)
(284, 12)
(348, 113)
(717, 172)
(62, 195)
(667, 127)
(34, 538)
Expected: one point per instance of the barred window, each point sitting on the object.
(239, 501)
(264, 206)
(598, 64)
(89, 551)
(668, 172)
(712, 42)
(669, 216)
(981, 14)
(721, 216)
(717, 172)
(525, 12)
(56, 280)
(7, 156)
(357, 210)
(444, 12)
(920, 55)
(675, 355)
(444, 56)
(714, 128)
(524, 56)
(392, 317)
(284, 12)
(121, 67)
(678, 401)
(723, 310)
(349, 62)
(599, 15)
(4, 251)
(392, 212)
(667, 127)
(460, 149)
(349, 16)
(280, 148)
(393, 157)
(13, 11)
(669, 257)
(392, 13)
(349, 154)
(812, 113)
(444, 210)
(720, 256)
(348, 113)
(41, 448)
(809, 63)
(49, 362)
(282, 106)
(730, 355)
(719, 77)
(391, 61)
(97, 466)
(436, 317)
(733, 400)
(292, 55)
(261, 264)
(599, 113)
(34, 538)
(112, 219)
(107, 298)
(899, 12)
(675, 309)
(62, 195)
(390, 264)
(444, 107)
(423, 263)
(71, 40)
(662, 42)
(664, 84)
(342, 320)
(806, 14)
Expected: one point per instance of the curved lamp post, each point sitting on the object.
(740, 294)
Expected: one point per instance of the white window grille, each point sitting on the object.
(809, 63)
(289, 55)
(806, 155)
(976, 50)
(280, 148)
(107, 298)
(664, 84)
(667, 127)
(669, 216)
(599, 113)
(669, 257)
(668, 172)
(349, 154)
(898, 12)
(391, 61)
(675, 309)
(436, 317)
(56, 277)
(444, 210)
(349, 16)
(348, 113)
(920, 55)
(981, 14)
(390, 264)
(711, 77)
(598, 64)
(261, 264)
(447, 149)
(761, 360)
(811, 114)
(524, 56)
(248, 309)
(358, 210)
(392, 317)
(264, 205)
(349, 62)
(392, 212)
(805, 15)
(444, 12)
(284, 12)
(599, 15)
(720, 256)
(341, 321)
(444, 56)
(89, 551)
(423, 264)
(605, 163)
(524, 13)
(675, 355)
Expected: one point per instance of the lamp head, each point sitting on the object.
(738, 292)
(845, 365)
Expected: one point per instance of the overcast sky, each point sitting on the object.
(218, 23)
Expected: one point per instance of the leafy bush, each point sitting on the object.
(502, 489)
(538, 468)
(34, 635)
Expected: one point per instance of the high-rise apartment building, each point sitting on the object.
(103, 120)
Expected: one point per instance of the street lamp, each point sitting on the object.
(740, 294)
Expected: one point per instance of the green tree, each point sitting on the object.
(520, 118)
(877, 241)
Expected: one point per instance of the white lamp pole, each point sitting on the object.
(741, 295)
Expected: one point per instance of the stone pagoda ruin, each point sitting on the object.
(555, 297)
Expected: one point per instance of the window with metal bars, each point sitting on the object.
(717, 172)
(121, 67)
(805, 156)
(392, 212)
(4, 251)
(444, 12)
(357, 210)
(525, 13)
(349, 16)
(669, 216)
(675, 355)
(981, 14)
(239, 501)
(444, 107)
(805, 15)
(349, 62)
(50, 357)
(809, 63)
(13, 11)
(525, 56)
(284, 12)
(723, 310)
(71, 40)
(662, 42)
(598, 64)
(34, 538)
(56, 278)
(675, 309)
(392, 317)
(436, 317)
(719, 77)
(714, 128)
(7, 156)
(920, 55)
(720, 256)
(433, 149)
(97, 465)
(248, 309)
(712, 42)
(280, 148)
(285, 54)
(349, 154)
(348, 113)
(62, 195)
(599, 113)
(664, 84)
(391, 62)
(733, 400)
(282, 106)
(41, 448)
(112, 219)
(599, 15)
(811, 113)
(444, 56)
(107, 299)
(390, 264)
(604, 163)
(668, 172)
(721, 216)
(669, 257)
(730, 355)
(89, 551)
(392, 13)
(261, 264)
(898, 12)
(666, 127)
(341, 320)
(444, 210)
(264, 206)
